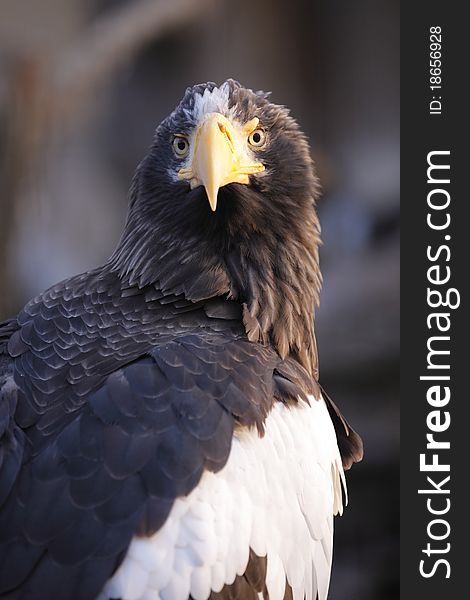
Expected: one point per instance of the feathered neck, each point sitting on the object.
(272, 271)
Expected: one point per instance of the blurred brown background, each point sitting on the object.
(83, 83)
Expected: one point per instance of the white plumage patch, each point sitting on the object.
(216, 100)
(277, 495)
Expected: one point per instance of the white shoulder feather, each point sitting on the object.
(276, 495)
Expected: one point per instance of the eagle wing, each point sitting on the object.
(111, 410)
(11, 437)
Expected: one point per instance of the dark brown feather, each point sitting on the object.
(250, 584)
(349, 442)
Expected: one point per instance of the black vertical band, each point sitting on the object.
(434, 300)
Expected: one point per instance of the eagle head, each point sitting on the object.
(227, 157)
(223, 204)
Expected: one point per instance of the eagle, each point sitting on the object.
(163, 432)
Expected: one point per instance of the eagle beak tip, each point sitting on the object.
(212, 197)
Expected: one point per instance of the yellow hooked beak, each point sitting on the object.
(220, 156)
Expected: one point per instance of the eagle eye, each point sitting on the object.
(257, 138)
(180, 146)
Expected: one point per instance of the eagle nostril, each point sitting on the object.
(225, 131)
